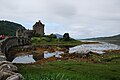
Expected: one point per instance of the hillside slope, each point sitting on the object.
(112, 39)
(9, 28)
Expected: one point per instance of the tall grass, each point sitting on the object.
(71, 70)
(60, 76)
(46, 76)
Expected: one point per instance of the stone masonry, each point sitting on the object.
(38, 29)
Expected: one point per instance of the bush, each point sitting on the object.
(52, 36)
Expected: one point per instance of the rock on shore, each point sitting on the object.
(8, 71)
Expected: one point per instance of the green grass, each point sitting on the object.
(71, 70)
(53, 41)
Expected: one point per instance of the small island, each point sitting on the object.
(38, 37)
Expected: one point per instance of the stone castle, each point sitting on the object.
(38, 29)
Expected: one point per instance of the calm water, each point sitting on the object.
(85, 48)
(56, 54)
(98, 48)
(30, 59)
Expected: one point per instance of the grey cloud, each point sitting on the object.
(65, 11)
(79, 17)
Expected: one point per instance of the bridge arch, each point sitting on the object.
(8, 43)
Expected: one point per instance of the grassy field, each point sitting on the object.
(71, 70)
(46, 41)
(53, 41)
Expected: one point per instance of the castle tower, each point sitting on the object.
(38, 27)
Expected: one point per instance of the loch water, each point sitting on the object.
(80, 49)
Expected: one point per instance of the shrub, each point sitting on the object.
(66, 37)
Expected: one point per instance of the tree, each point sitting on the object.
(9, 28)
(66, 37)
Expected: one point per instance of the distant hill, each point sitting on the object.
(9, 28)
(112, 39)
(59, 35)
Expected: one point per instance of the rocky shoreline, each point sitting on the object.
(8, 71)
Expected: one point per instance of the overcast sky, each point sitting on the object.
(80, 18)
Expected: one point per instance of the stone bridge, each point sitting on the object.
(9, 42)
(7, 69)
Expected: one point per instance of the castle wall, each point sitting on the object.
(38, 29)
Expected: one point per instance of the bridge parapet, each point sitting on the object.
(7, 43)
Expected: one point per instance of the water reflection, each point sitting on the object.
(55, 54)
(30, 59)
(24, 59)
